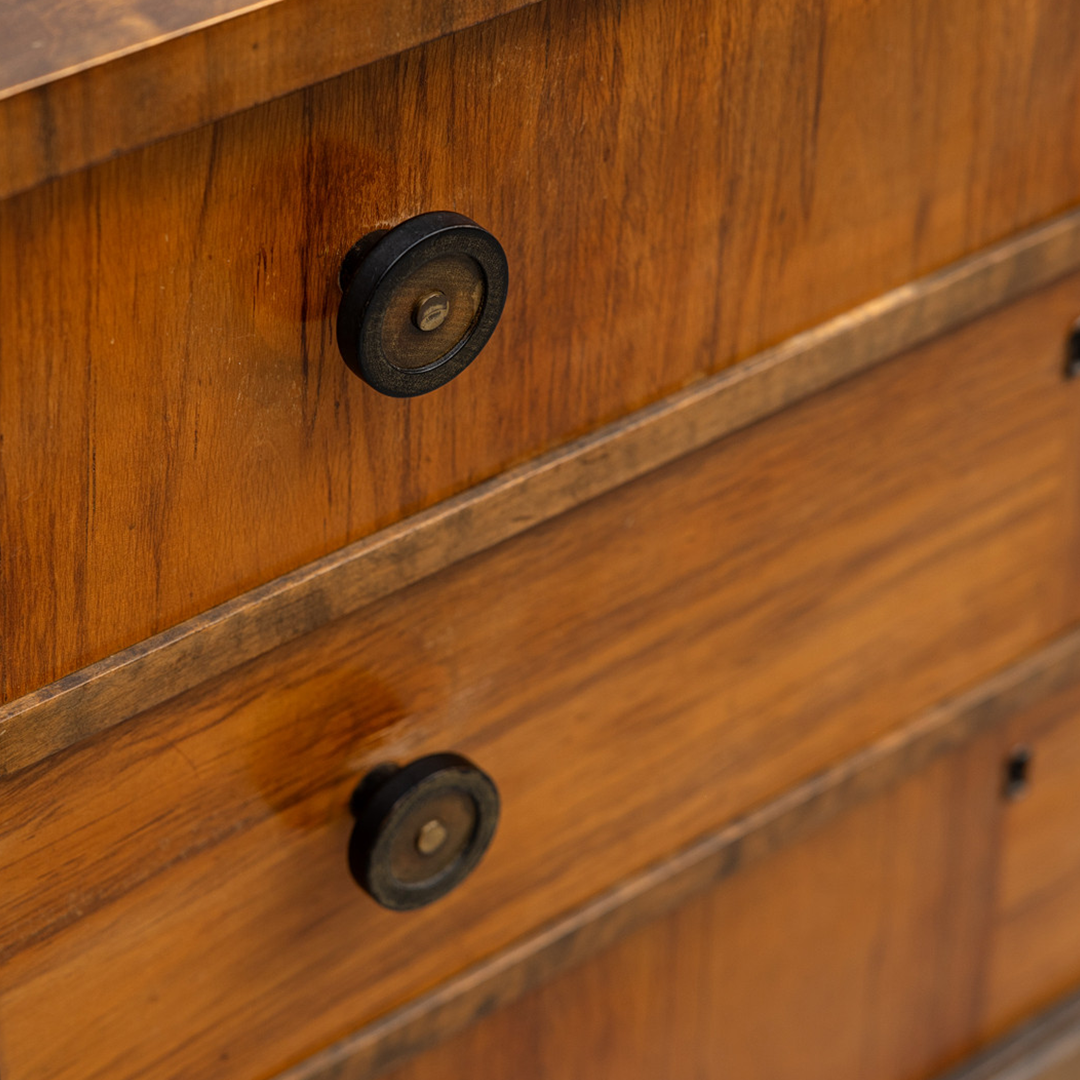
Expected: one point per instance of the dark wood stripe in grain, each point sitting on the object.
(491, 984)
(186, 68)
(119, 687)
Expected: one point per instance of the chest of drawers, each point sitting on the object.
(743, 559)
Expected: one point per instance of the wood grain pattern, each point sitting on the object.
(852, 955)
(44, 41)
(795, 815)
(633, 674)
(177, 425)
(127, 684)
(1047, 1048)
(756, 979)
(70, 70)
(1036, 954)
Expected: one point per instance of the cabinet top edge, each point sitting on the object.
(186, 63)
(43, 42)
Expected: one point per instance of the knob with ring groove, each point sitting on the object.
(421, 830)
(420, 301)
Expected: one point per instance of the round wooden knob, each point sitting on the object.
(419, 302)
(422, 829)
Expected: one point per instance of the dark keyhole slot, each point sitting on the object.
(1017, 773)
(1072, 352)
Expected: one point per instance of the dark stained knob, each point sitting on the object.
(422, 829)
(419, 302)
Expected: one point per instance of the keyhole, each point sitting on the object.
(1017, 773)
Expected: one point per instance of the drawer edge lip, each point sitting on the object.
(1037, 1049)
(390, 1040)
(249, 55)
(130, 682)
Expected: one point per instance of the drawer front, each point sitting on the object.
(855, 954)
(914, 928)
(632, 674)
(673, 193)
(1036, 954)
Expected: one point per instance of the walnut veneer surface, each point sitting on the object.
(70, 70)
(695, 646)
(913, 929)
(633, 673)
(888, 945)
(676, 187)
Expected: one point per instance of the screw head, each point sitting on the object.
(431, 837)
(430, 313)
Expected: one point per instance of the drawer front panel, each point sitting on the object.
(916, 927)
(1036, 954)
(674, 189)
(856, 954)
(631, 674)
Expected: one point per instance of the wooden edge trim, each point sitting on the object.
(501, 979)
(123, 685)
(116, 50)
(202, 72)
(1046, 1048)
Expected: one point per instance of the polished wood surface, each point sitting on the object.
(496, 981)
(890, 955)
(1046, 1048)
(633, 674)
(70, 69)
(138, 678)
(1036, 954)
(70, 76)
(855, 955)
(44, 41)
(178, 427)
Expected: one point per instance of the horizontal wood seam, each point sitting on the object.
(121, 686)
(501, 979)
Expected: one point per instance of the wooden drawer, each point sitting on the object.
(1036, 953)
(911, 929)
(675, 191)
(855, 954)
(633, 674)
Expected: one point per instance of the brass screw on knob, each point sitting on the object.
(431, 837)
(431, 312)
